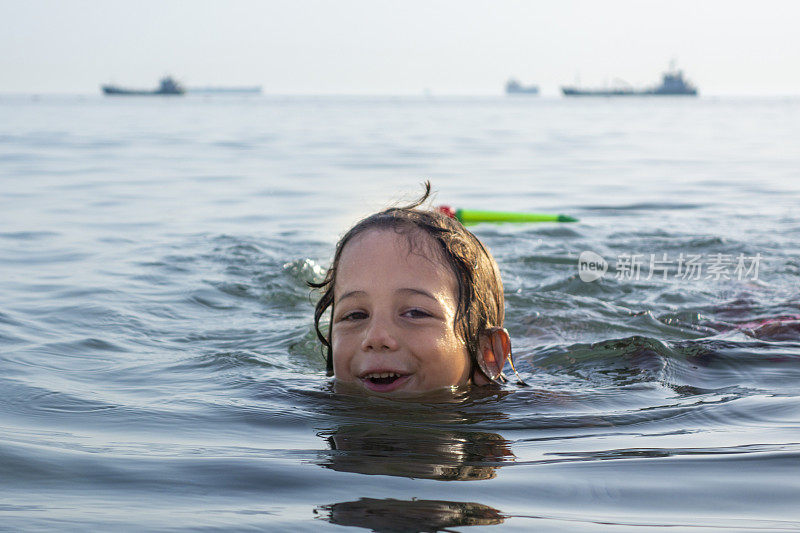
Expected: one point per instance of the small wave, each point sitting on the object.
(303, 270)
(649, 206)
(216, 178)
(235, 145)
(228, 360)
(210, 300)
(28, 235)
(707, 364)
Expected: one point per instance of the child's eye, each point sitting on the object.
(416, 313)
(354, 315)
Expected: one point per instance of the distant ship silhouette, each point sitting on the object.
(167, 87)
(515, 87)
(672, 84)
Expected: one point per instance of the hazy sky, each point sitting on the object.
(397, 47)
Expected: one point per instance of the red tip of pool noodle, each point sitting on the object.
(447, 210)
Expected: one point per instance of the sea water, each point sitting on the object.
(158, 365)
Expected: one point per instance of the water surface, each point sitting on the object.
(160, 371)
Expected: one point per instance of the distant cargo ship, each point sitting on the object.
(515, 87)
(167, 87)
(672, 84)
(255, 89)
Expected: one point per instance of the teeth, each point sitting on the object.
(376, 375)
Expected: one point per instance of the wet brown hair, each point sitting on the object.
(480, 290)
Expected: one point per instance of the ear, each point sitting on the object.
(494, 348)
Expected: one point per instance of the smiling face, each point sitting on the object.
(394, 315)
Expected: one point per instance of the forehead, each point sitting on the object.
(386, 256)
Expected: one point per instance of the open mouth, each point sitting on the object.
(383, 381)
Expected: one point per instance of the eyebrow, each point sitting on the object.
(409, 290)
(418, 291)
(348, 295)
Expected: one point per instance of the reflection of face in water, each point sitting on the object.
(416, 452)
(398, 516)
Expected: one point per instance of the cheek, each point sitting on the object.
(456, 372)
(453, 361)
(462, 363)
(341, 352)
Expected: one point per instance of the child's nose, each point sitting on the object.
(379, 336)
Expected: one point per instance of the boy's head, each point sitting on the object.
(416, 304)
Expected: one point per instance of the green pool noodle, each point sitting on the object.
(474, 216)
